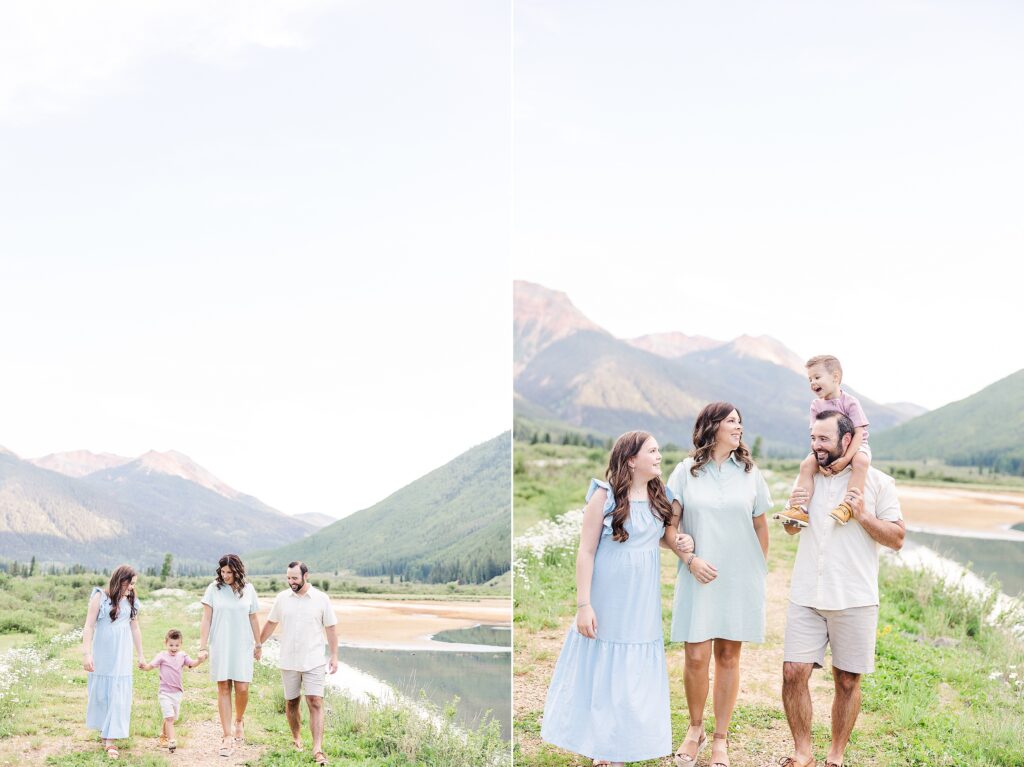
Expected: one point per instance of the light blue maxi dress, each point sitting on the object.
(608, 697)
(231, 642)
(718, 507)
(109, 708)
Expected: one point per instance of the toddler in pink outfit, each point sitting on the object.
(170, 662)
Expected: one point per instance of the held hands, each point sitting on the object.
(586, 622)
(257, 652)
(203, 655)
(144, 666)
(704, 572)
(684, 543)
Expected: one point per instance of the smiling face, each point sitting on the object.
(825, 442)
(646, 465)
(227, 575)
(730, 431)
(295, 578)
(824, 384)
(172, 645)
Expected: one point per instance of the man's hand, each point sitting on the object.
(855, 498)
(332, 666)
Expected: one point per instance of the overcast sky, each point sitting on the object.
(845, 177)
(270, 235)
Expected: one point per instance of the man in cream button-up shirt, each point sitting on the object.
(834, 591)
(305, 614)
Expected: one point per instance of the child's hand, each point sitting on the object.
(838, 465)
(586, 622)
(684, 543)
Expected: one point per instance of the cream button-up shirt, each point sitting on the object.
(301, 620)
(837, 566)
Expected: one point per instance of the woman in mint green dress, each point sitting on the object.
(229, 622)
(720, 589)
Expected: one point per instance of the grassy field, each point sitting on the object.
(43, 696)
(947, 689)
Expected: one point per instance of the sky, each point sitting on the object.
(272, 236)
(844, 177)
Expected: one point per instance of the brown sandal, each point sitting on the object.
(320, 757)
(790, 761)
(725, 737)
(685, 760)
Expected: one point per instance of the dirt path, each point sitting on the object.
(200, 746)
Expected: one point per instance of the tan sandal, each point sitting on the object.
(725, 737)
(685, 760)
(112, 752)
(790, 761)
(226, 749)
(320, 757)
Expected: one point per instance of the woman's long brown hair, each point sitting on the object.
(704, 431)
(120, 584)
(234, 564)
(620, 477)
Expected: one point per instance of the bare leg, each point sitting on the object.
(224, 706)
(845, 708)
(805, 480)
(294, 716)
(316, 720)
(241, 701)
(796, 700)
(859, 471)
(695, 680)
(727, 687)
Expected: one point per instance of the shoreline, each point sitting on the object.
(961, 512)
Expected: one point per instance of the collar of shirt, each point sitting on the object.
(307, 595)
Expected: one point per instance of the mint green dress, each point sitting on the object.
(719, 505)
(231, 642)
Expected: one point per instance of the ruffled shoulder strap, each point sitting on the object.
(609, 503)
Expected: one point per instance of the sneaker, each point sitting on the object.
(171, 745)
(842, 513)
(163, 741)
(793, 515)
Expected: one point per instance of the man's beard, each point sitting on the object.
(830, 459)
(295, 586)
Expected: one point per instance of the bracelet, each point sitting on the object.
(583, 604)
(690, 560)
(203, 649)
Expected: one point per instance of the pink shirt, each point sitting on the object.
(845, 404)
(170, 670)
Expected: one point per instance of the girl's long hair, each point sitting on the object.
(118, 588)
(704, 431)
(234, 564)
(620, 477)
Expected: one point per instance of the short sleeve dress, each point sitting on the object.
(718, 506)
(231, 642)
(109, 708)
(608, 697)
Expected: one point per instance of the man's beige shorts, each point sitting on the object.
(311, 682)
(851, 634)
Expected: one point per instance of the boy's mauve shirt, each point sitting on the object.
(170, 667)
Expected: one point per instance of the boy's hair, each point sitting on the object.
(173, 634)
(830, 363)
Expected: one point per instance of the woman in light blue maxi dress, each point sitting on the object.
(609, 696)
(107, 649)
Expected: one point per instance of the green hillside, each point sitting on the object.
(451, 524)
(985, 429)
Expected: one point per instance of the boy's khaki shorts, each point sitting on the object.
(851, 633)
(170, 704)
(312, 682)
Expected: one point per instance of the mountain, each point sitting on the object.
(585, 378)
(985, 429)
(673, 345)
(78, 463)
(316, 519)
(450, 524)
(135, 512)
(542, 317)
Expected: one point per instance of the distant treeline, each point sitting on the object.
(1003, 462)
(479, 569)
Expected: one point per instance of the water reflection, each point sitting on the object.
(985, 557)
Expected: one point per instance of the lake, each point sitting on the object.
(985, 557)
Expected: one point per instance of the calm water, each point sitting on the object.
(482, 680)
(497, 636)
(983, 556)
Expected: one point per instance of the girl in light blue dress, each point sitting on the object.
(111, 630)
(229, 635)
(720, 588)
(608, 698)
